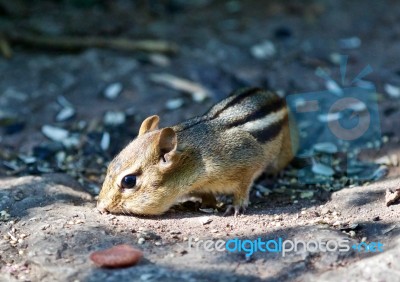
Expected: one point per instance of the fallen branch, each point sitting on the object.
(72, 43)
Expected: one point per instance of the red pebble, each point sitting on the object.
(117, 256)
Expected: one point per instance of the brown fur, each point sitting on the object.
(221, 152)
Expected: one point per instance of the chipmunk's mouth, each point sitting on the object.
(102, 207)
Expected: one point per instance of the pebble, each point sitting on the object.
(105, 141)
(174, 104)
(112, 118)
(335, 58)
(322, 169)
(117, 256)
(65, 114)
(263, 50)
(352, 234)
(55, 133)
(113, 90)
(392, 90)
(64, 102)
(141, 241)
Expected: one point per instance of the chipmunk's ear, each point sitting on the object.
(168, 147)
(149, 124)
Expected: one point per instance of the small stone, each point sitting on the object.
(146, 277)
(113, 90)
(352, 234)
(322, 169)
(174, 104)
(393, 91)
(105, 141)
(114, 118)
(335, 58)
(141, 241)
(263, 50)
(65, 114)
(117, 256)
(54, 133)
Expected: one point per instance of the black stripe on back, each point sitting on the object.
(239, 97)
(272, 106)
(269, 133)
(244, 93)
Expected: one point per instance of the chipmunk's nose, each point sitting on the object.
(101, 207)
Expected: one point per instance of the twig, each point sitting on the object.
(197, 91)
(72, 43)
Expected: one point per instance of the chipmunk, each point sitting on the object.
(221, 152)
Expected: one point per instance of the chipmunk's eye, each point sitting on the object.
(128, 181)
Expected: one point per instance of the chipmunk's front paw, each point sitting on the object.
(235, 209)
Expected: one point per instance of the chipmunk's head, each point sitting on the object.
(140, 179)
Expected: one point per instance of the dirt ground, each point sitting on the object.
(48, 188)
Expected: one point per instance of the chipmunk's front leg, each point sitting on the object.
(240, 199)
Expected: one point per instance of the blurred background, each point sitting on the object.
(79, 76)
